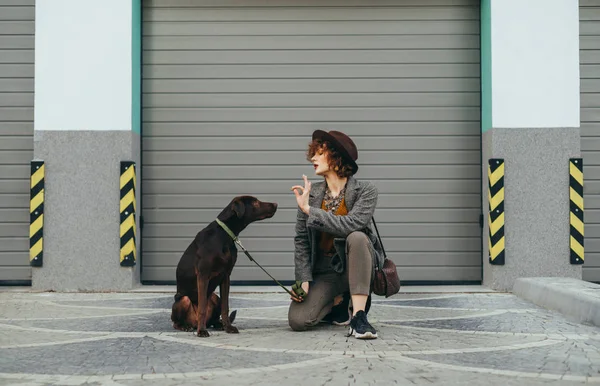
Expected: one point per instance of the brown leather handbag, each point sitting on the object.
(386, 281)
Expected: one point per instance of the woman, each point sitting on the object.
(335, 248)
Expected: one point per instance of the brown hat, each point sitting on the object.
(342, 143)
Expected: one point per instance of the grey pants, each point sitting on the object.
(325, 287)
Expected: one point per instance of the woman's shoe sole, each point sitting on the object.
(366, 335)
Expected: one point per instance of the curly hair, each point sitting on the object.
(336, 160)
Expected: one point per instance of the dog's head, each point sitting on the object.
(244, 210)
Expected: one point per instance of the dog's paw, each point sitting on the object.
(231, 330)
(203, 334)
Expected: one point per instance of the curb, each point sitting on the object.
(576, 299)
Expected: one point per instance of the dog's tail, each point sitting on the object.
(232, 316)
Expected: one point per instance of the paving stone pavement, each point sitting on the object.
(428, 338)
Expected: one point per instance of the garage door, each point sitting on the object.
(590, 132)
(233, 89)
(16, 135)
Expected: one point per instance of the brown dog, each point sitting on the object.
(208, 262)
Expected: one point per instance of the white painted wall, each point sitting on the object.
(83, 65)
(535, 63)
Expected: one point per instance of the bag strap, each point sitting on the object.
(379, 237)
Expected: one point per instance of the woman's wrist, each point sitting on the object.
(306, 209)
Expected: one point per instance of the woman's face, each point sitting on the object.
(321, 162)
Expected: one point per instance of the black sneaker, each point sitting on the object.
(340, 314)
(360, 327)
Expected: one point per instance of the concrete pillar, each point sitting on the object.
(87, 120)
(530, 120)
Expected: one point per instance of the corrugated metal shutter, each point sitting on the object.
(17, 40)
(590, 132)
(233, 89)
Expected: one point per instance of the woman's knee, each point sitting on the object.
(297, 318)
(302, 316)
(357, 238)
(297, 324)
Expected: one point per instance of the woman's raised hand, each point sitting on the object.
(302, 198)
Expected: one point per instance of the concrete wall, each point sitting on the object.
(86, 122)
(536, 203)
(531, 85)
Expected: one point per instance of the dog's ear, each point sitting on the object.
(238, 208)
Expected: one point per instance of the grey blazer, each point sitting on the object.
(361, 200)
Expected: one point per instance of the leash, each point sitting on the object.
(239, 243)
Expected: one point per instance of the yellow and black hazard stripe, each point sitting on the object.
(127, 211)
(496, 211)
(36, 214)
(576, 210)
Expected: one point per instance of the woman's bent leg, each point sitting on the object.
(316, 305)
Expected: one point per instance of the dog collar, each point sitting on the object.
(226, 228)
